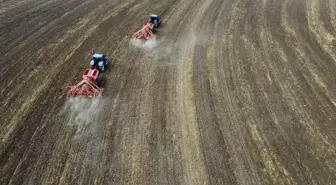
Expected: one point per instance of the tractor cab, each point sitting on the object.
(99, 61)
(98, 57)
(155, 20)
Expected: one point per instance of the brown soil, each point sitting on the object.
(232, 92)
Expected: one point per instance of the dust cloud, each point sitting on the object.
(84, 118)
(87, 109)
(84, 114)
(162, 54)
(147, 45)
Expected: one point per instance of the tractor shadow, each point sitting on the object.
(102, 81)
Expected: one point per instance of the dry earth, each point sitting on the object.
(232, 92)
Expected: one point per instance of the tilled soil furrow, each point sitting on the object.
(231, 92)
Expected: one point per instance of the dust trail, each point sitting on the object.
(83, 110)
(85, 117)
(147, 45)
(162, 54)
(83, 113)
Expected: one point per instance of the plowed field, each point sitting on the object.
(231, 92)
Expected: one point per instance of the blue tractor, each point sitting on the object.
(99, 61)
(155, 19)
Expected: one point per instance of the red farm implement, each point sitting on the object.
(88, 86)
(146, 32)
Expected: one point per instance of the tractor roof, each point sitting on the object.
(154, 16)
(97, 55)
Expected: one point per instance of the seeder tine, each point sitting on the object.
(145, 33)
(85, 87)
